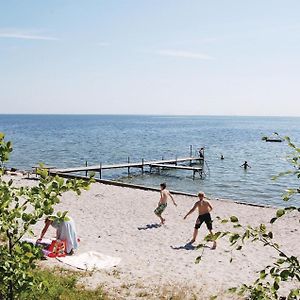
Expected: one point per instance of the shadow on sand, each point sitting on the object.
(149, 226)
(187, 246)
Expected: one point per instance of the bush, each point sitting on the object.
(20, 209)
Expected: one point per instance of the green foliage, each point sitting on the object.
(5, 150)
(285, 267)
(234, 219)
(14, 267)
(294, 159)
(20, 209)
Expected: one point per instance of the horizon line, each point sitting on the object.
(154, 115)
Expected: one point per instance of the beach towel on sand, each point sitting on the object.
(90, 261)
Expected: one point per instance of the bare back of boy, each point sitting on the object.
(164, 194)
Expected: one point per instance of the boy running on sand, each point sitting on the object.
(204, 209)
(162, 204)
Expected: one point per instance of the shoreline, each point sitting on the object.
(149, 188)
(24, 173)
(138, 187)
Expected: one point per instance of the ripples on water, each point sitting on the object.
(68, 140)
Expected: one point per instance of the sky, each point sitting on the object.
(169, 57)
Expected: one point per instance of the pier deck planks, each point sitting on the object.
(176, 167)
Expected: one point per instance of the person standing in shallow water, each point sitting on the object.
(204, 209)
(245, 165)
(201, 152)
(162, 203)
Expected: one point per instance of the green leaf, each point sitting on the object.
(276, 286)
(215, 236)
(200, 246)
(232, 290)
(280, 213)
(198, 259)
(262, 274)
(262, 227)
(237, 226)
(234, 237)
(286, 198)
(290, 208)
(285, 275)
(280, 261)
(234, 219)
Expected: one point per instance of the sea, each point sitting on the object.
(72, 140)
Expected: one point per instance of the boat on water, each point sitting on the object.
(275, 138)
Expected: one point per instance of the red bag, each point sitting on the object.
(57, 248)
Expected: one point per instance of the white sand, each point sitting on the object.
(108, 218)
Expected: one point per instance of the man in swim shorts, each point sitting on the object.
(204, 209)
(162, 204)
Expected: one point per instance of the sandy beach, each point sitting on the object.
(202, 95)
(155, 262)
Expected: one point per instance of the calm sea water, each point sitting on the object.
(70, 140)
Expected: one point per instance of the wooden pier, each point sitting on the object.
(158, 164)
(183, 163)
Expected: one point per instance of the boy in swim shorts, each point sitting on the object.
(162, 204)
(204, 209)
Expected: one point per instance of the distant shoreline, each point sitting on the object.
(148, 115)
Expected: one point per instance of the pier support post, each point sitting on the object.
(128, 170)
(100, 171)
(191, 154)
(86, 172)
(176, 160)
(143, 166)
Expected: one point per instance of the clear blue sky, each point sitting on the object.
(150, 57)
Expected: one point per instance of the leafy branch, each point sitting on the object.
(20, 209)
(284, 267)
